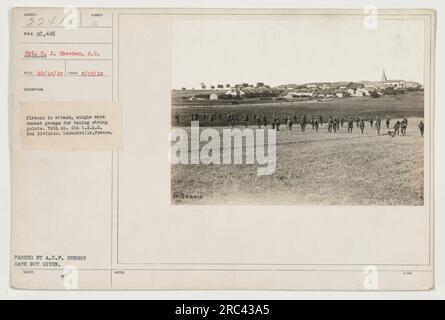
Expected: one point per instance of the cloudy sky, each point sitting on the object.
(298, 50)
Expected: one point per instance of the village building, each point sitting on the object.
(235, 92)
(365, 91)
(298, 94)
(355, 92)
(395, 83)
(213, 96)
(339, 93)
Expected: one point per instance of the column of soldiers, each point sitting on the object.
(333, 124)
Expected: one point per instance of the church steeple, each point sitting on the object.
(384, 76)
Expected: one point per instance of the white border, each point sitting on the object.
(7, 293)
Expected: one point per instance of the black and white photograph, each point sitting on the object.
(344, 97)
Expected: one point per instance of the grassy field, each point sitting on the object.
(406, 105)
(322, 168)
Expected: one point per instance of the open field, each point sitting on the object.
(317, 169)
(406, 105)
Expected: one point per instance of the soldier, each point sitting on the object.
(303, 123)
(403, 126)
(330, 122)
(377, 124)
(387, 122)
(421, 127)
(335, 124)
(362, 125)
(350, 125)
(371, 122)
(246, 120)
(290, 124)
(316, 125)
(342, 121)
(277, 124)
(211, 119)
(357, 122)
(177, 118)
(284, 119)
(264, 120)
(321, 120)
(258, 121)
(220, 116)
(397, 127)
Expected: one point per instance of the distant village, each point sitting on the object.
(307, 91)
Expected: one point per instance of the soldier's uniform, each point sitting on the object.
(335, 124)
(421, 127)
(303, 123)
(377, 125)
(397, 127)
(403, 126)
(350, 125)
(362, 125)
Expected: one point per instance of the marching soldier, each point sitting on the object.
(377, 125)
(362, 125)
(350, 125)
(421, 127)
(290, 124)
(246, 120)
(335, 124)
(303, 123)
(397, 127)
(330, 121)
(387, 123)
(404, 125)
